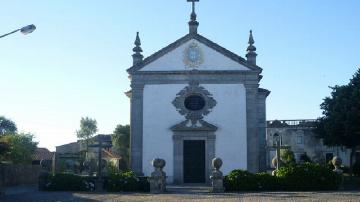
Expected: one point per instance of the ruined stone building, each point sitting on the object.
(299, 135)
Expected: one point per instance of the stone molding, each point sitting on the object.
(186, 126)
(178, 138)
(194, 115)
(183, 40)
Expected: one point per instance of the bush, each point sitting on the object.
(126, 181)
(287, 156)
(308, 176)
(356, 168)
(302, 177)
(345, 169)
(69, 182)
(351, 183)
(305, 158)
(239, 180)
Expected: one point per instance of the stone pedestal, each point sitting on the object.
(158, 177)
(217, 178)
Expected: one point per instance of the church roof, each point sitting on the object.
(183, 40)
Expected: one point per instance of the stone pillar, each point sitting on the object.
(136, 128)
(253, 145)
(217, 178)
(158, 177)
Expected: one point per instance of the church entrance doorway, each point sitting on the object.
(194, 161)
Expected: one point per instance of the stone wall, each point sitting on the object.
(12, 175)
(72, 148)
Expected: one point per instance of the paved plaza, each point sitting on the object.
(176, 194)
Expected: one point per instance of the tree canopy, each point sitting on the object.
(14, 147)
(7, 126)
(121, 140)
(340, 123)
(19, 148)
(88, 127)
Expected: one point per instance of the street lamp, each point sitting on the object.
(25, 30)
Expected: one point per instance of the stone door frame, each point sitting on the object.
(178, 139)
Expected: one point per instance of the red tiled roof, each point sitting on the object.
(42, 153)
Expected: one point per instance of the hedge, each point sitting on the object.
(69, 182)
(126, 181)
(240, 180)
(308, 177)
(301, 177)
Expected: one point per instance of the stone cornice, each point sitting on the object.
(185, 126)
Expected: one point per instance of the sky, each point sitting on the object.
(74, 64)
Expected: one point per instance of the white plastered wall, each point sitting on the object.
(212, 60)
(229, 115)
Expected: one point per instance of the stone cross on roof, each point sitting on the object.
(193, 4)
(193, 24)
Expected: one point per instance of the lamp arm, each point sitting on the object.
(9, 33)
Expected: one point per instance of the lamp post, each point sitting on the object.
(25, 30)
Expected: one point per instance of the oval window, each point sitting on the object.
(194, 102)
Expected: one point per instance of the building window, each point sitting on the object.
(194, 102)
(300, 139)
(328, 157)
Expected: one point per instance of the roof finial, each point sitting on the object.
(193, 24)
(251, 54)
(137, 56)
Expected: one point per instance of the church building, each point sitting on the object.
(193, 101)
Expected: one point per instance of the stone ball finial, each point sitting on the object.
(274, 161)
(158, 163)
(43, 163)
(336, 161)
(217, 163)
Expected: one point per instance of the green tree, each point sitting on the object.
(20, 149)
(121, 140)
(340, 123)
(88, 128)
(7, 126)
(287, 156)
(4, 147)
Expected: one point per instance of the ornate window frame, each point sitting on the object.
(194, 89)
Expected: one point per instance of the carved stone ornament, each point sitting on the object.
(194, 102)
(193, 56)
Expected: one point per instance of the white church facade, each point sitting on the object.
(192, 101)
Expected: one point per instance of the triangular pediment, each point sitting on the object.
(212, 57)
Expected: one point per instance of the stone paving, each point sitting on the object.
(178, 194)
